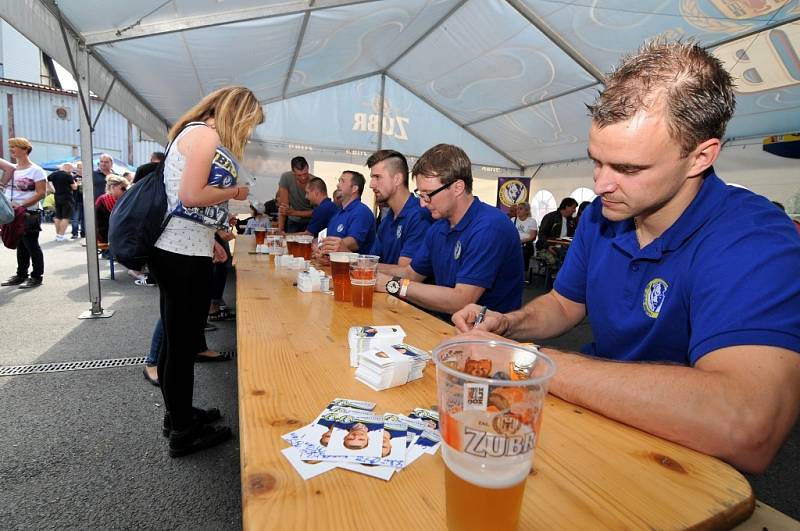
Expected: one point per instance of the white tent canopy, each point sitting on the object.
(507, 80)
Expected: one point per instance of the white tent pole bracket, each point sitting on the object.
(455, 121)
(173, 25)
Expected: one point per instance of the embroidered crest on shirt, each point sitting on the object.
(340, 227)
(654, 295)
(399, 231)
(457, 250)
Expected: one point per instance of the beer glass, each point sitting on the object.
(303, 245)
(490, 396)
(340, 271)
(363, 274)
(260, 233)
(291, 245)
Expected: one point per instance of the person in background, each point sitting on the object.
(258, 219)
(105, 166)
(157, 156)
(353, 228)
(676, 352)
(324, 209)
(78, 229)
(472, 250)
(183, 254)
(64, 185)
(115, 187)
(25, 185)
(336, 197)
(556, 225)
(294, 209)
(406, 221)
(527, 229)
(583, 206)
(128, 176)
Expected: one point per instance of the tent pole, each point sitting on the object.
(381, 102)
(92, 266)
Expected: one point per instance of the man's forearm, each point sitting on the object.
(436, 298)
(703, 410)
(300, 213)
(542, 318)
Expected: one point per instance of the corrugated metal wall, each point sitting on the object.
(35, 117)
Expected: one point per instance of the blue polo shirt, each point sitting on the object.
(724, 274)
(401, 235)
(357, 221)
(321, 216)
(481, 250)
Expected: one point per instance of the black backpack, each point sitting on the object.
(137, 220)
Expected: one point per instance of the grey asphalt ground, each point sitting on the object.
(83, 449)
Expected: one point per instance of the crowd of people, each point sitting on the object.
(652, 260)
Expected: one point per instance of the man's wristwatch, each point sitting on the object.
(393, 286)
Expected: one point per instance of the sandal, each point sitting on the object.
(204, 416)
(197, 437)
(223, 314)
(221, 356)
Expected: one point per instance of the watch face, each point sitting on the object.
(393, 286)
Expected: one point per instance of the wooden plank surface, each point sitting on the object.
(590, 472)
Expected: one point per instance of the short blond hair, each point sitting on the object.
(114, 180)
(21, 142)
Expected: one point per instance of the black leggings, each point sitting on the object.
(184, 284)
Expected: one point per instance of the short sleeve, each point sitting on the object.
(284, 181)
(316, 223)
(362, 222)
(571, 279)
(745, 292)
(415, 236)
(421, 261)
(487, 252)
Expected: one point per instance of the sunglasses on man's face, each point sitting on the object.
(427, 196)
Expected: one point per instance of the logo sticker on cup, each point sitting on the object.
(476, 396)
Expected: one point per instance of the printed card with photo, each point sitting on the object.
(427, 443)
(414, 427)
(430, 417)
(297, 438)
(380, 472)
(306, 469)
(355, 435)
(393, 452)
(412, 351)
(354, 404)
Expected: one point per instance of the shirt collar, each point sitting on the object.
(352, 204)
(407, 209)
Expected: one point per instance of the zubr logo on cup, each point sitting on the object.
(513, 192)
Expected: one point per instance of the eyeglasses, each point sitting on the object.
(427, 196)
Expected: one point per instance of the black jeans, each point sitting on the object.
(220, 275)
(184, 284)
(29, 250)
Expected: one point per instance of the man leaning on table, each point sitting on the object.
(689, 281)
(406, 222)
(324, 208)
(353, 228)
(472, 249)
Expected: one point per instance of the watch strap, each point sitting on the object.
(404, 287)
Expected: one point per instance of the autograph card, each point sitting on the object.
(430, 417)
(306, 469)
(355, 435)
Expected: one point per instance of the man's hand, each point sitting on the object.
(494, 322)
(219, 254)
(331, 244)
(380, 282)
(285, 210)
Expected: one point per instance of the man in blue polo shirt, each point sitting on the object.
(352, 229)
(324, 209)
(404, 226)
(472, 249)
(676, 269)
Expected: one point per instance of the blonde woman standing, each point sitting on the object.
(200, 175)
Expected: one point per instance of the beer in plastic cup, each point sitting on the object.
(340, 271)
(291, 245)
(303, 245)
(363, 274)
(490, 395)
(260, 233)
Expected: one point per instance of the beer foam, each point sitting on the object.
(488, 473)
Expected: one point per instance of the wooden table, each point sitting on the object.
(590, 472)
(560, 241)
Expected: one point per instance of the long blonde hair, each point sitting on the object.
(236, 112)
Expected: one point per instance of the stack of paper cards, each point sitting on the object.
(419, 359)
(364, 338)
(347, 434)
(384, 367)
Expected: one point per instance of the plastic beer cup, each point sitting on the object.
(363, 274)
(303, 245)
(260, 233)
(340, 271)
(490, 395)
